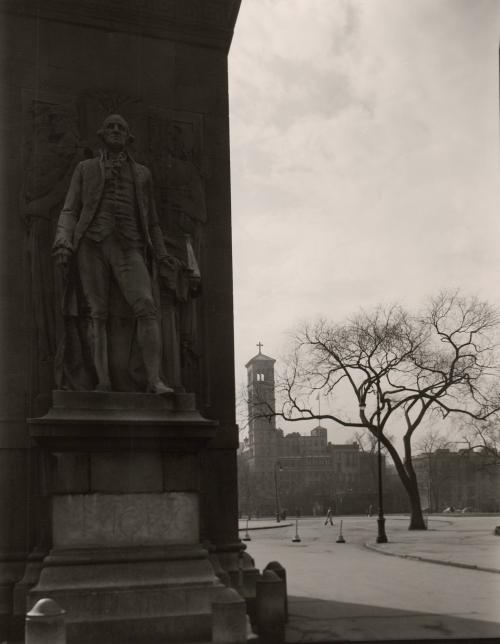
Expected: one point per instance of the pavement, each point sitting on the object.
(451, 540)
(457, 541)
(442, 584)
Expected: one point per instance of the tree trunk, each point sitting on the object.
(417, 521)
(409, 480)
(416, 517)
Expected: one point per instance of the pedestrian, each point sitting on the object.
(329, 516)
(370, 510)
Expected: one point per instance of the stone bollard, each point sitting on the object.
(276, 567)
(250, 575)
(270, 608)
(229, 618)
(45, 623)
(249, 589)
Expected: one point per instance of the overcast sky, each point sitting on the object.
(365, 159)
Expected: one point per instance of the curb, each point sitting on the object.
(266, 527)
(440, 562)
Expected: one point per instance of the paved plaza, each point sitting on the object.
(443, 583)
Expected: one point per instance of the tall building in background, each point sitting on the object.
(261, 394)
(292, 471)
(466, 479)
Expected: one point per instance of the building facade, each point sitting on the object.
(463, 479)
(294, 472)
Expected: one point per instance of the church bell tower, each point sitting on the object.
(260, 390)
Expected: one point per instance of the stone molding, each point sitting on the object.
(206, 22)
(88, 421)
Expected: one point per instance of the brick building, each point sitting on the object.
(295, 471)
(462, 479)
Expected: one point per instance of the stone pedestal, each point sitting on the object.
(125, 560)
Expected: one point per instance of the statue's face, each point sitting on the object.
(115, 133)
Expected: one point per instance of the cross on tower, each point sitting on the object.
(260, 345)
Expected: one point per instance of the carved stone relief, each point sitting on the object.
(52, 151)
(175, 148)
(170, 144)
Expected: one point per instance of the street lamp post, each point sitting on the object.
(381, 535)
(277, 466)
(429, 484)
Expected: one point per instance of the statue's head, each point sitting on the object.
(115, 133)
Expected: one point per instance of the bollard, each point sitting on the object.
(270, 608)
(249, 589)
(276, 567)
(250, 575)
(247, 536)
(296, 538)
(229, 618)
(341, 538)
(45, 623)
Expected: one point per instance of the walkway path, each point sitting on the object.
(464, 541)
(348, 592)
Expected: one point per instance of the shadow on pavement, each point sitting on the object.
(321, 621)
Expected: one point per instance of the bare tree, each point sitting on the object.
(368, 445)
(388, 366)
(436, 476)
(432, 440)
(483, 437)
(368, 442)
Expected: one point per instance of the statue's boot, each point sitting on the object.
(100, 354)
(148, 336)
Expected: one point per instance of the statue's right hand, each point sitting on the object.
(63, 255)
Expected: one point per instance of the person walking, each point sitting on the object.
(329, 517)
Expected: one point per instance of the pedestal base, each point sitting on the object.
(131, 594)
(122, 474)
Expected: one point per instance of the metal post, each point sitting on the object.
(381, 536)
(341, 536)
(247, 536)
(430, 483)
(278, 510)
